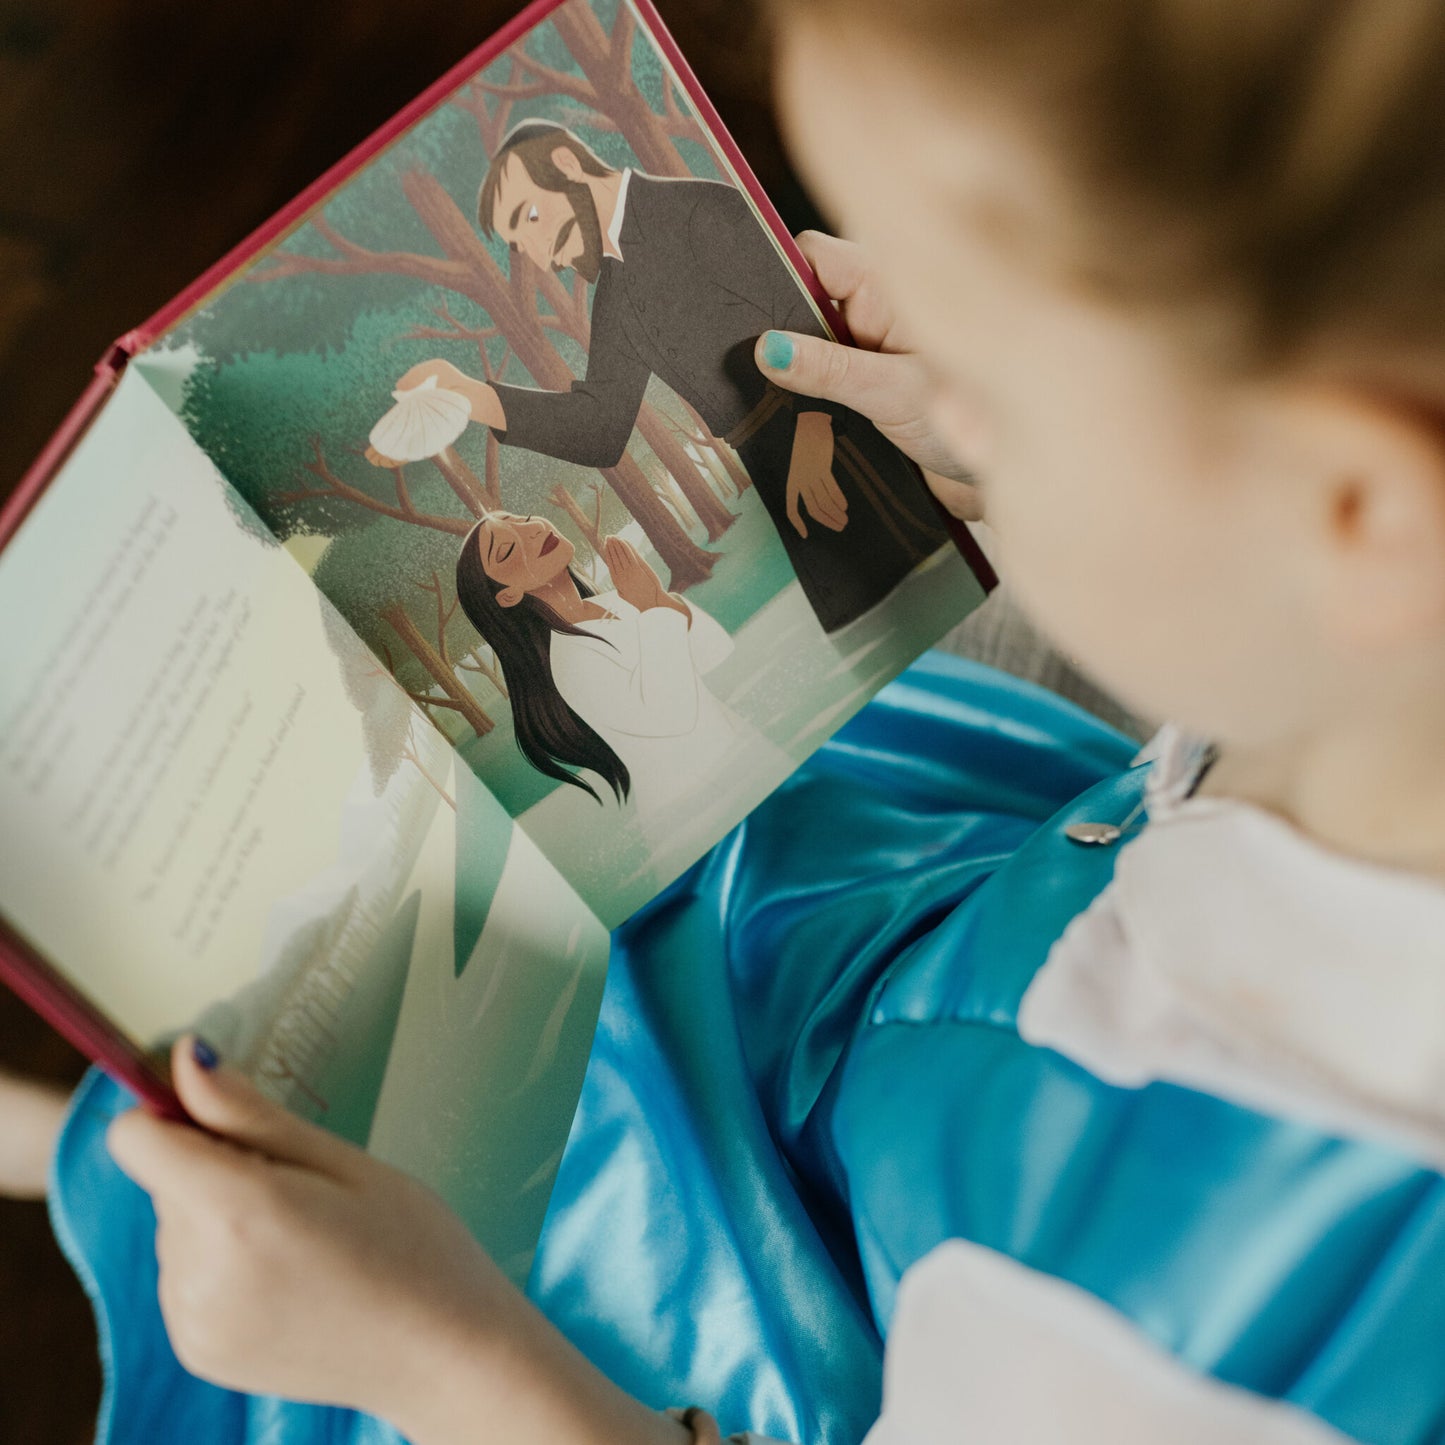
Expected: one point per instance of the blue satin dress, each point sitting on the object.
(807, 1074)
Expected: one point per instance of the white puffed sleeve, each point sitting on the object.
(984, 1350)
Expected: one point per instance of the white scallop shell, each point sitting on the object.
(426, 420)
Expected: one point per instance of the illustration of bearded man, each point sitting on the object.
(686, 279)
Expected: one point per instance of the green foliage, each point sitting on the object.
(374, 567)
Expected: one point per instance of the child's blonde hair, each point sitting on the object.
(1285, 157)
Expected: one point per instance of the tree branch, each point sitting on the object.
(354, 260)
(556, 81)
(493, 479)
(456, 333)
(624, 29)
(425, 701)
(336, 488)
(403, 492)
(444, 614)
(504, 91)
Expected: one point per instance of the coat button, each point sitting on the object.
(1093, 835)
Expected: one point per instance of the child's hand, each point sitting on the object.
(880, 378)
(293, 1264)
(31, 1114)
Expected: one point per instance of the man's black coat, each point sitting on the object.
(699, 281)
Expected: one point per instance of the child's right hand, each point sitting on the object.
(290, 1263)
(293, 1264)
(880, 378)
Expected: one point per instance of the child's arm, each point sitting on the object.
(296, 1265)
(30, 1118)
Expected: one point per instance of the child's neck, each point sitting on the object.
(1373, 790)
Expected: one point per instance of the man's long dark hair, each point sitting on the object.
(552, 737)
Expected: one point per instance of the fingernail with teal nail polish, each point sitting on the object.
(777, 351)
(205, 1055)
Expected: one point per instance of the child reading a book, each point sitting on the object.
(1114, 1103)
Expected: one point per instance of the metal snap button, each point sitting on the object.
(1093, 835)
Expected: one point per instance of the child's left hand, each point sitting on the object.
(298, 1266)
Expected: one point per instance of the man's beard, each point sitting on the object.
(584, 217)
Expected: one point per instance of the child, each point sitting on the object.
(1148, 1114)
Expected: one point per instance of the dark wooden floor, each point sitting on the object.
(139, 140)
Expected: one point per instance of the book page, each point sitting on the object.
(498, 392)
(220, 812)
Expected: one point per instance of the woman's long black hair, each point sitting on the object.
(552, 737)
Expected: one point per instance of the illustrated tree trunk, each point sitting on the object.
(561, 497)
(464, 482)
(716, 471)
(606, 61)
(489, 669)
(668, 450)
(737, 473)
(494, 472)
(459, 696)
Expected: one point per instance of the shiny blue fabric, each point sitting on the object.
(807, 1073)
(703, 1151)
(1286, 1261)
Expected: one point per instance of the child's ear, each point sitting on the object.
(565, 159)
(510, 596)
(1376, 469)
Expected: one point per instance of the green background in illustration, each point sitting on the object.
(283, 373)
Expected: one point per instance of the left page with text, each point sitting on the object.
(219, 811)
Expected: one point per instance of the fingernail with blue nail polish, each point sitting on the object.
(205, 1055)
(777, 351)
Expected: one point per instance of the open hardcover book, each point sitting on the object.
(422, 592)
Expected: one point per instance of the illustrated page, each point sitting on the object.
(220, 811)
(498, 394)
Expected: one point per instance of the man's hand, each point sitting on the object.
(485, 403)
(635, 581)
(442, 372)
(880, 377)
(811, 483)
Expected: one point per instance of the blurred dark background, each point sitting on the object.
(139, 141)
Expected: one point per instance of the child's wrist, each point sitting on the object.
(511, 1369)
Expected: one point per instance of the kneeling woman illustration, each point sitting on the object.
(609, 683)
